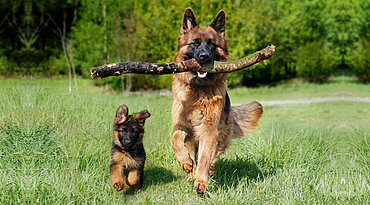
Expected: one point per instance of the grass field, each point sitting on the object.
(54, 148)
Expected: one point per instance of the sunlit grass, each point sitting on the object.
(54, 149)
(338, 86)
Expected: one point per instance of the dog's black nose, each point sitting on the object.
(126, 142)
(204, 57)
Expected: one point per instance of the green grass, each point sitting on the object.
(54, 148)
(341, 86)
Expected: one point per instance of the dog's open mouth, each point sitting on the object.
(201, 74)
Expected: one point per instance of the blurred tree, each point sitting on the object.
(106, 31)
(313, 62)
(358, 57)
(27, 42)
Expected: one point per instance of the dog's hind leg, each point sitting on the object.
(192, 147)
(221, 146)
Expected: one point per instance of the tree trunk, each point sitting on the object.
(68, 65)
(182, 66)
(71, 59)
(105, 33)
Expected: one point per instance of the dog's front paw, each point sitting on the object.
(118, 186)
(200, 186)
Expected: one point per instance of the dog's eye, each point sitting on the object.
(211, 42)
(196, 42)
(122, 132)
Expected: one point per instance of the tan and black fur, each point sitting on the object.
(203, 119)
(127, 152)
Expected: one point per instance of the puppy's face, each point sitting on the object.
(129, 129)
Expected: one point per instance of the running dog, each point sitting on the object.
(204, 122)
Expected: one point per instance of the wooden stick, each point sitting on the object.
(181, 66)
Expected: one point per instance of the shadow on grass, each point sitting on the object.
(230, 172)
(154, 176)
(158, 175)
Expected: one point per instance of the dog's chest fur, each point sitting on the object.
(130, 159)
(198, 106)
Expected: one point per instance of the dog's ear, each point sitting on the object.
(121, 115)
(141, 116)
(188, 21)
(219, 23)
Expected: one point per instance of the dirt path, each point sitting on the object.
(315, 100)
(292, 101)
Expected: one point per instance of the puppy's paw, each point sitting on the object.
(118, 186)
(200, 186)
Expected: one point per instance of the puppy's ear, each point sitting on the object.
(141, 116)
(188, 21)
(121, 115)
(219, 23)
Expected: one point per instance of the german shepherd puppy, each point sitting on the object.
(127, 152)
(204, 121)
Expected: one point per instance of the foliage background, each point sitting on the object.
(313, 37)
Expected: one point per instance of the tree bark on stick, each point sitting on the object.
(181, 66)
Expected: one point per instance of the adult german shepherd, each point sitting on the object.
(203, 119)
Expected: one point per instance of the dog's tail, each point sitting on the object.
(246, 118)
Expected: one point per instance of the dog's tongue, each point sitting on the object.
(202, 74)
